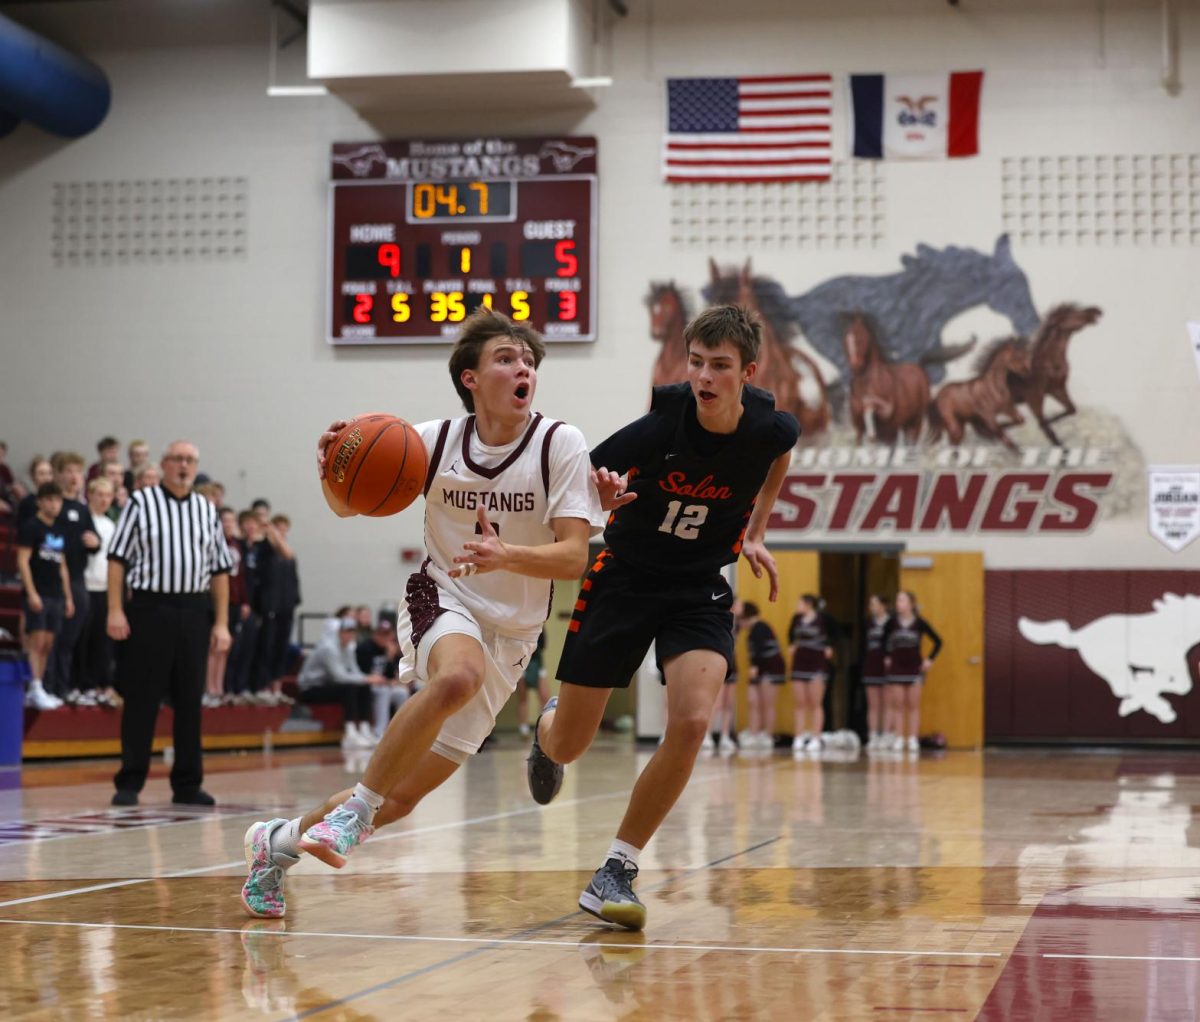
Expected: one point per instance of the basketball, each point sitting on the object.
(376, 466)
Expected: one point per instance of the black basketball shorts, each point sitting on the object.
(621, 610)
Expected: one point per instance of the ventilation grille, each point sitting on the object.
(847, 211)
(1102, 200)
(168, 220)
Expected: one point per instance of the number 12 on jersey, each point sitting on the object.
(684, 522)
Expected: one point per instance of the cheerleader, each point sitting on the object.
(907, 667)
(810, 645)
(766, 671)
(874, 674)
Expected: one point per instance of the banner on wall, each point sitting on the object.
(915, 117)
(1174, 504)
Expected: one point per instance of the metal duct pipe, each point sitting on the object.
(1170, 48)
(47, 85)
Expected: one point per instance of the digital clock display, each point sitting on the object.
(423, 232)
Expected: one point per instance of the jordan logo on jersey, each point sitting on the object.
(677, 482)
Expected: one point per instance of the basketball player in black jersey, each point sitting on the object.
(705, 466)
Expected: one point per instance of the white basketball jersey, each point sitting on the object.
(522, 486)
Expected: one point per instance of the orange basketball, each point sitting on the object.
(376, 466)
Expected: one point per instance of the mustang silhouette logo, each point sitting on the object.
(359, 162)
(564, 156)
(1142, 656)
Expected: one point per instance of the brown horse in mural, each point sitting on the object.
(669, 314)
(895, 395)
(982, 400)
(786, 371)
(1050, 369)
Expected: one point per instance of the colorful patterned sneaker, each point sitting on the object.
(262, 893)
(335, 837)
(610, 896)
(544, 775)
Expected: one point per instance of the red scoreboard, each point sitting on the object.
(424, 231)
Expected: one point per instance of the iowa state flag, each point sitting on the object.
(916, 117)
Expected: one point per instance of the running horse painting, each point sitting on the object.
(669, 314)
(783, 369)
(982, 400)
(893, 396)
(1050, 369)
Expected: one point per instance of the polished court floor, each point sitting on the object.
(1002, 885)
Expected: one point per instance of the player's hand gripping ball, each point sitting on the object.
(376, 465)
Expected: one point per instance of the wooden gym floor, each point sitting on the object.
(1005, 885)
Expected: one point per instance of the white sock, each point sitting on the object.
(286, 841)
(624, 851)
(368, 799)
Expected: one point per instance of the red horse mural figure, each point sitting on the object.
(669, 314)
(894, 395)
(982, 400)
(1050, 369)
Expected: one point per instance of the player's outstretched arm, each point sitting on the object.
(565, 558)
(753, 547)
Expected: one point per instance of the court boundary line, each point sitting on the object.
(1127, 958)
(508, 941)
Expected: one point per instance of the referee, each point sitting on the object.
(170, 550)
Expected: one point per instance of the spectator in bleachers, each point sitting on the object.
(147, 475)
(245, 639)
(109, 451)
(41, 563)
(115, 474)
(379, 653)
(218, 660)
(330, 674)
(40, 473)
(262, 508)
(76, 525)
(284, 599)
(95, 647)
(218, 493)
(208, 493)
(11, 491)
(365, 619)
(139, 455)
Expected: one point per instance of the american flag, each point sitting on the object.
(765, 128)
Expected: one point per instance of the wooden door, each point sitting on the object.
(949, 591)
(799, 573)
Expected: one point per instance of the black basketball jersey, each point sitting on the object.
(695, 489)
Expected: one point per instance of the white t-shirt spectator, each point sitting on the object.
(95, 575)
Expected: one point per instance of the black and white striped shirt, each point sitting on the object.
(169, 545)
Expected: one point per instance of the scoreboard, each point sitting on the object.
(424, 231)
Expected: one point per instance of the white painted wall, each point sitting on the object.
(232, 354)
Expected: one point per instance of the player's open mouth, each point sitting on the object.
(706, 395)
(522, 392)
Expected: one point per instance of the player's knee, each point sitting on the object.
(454, 688)
(687, 727)
(565, 747)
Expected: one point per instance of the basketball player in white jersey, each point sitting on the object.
(510, 504)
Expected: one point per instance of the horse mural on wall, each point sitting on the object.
(790, 374)
(982, 400)
(909, 309)
(670, 312)
(1049, 370)
(892, 397)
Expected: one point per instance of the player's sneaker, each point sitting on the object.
(610, 896)
(727, 747)
(707, 745)
(262, 893)
(335, 837)
(544, 775)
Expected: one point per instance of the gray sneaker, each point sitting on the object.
(544, 775)
(610, 896)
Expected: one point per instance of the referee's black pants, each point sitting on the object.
(166, 654)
